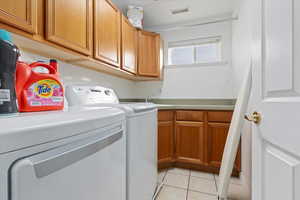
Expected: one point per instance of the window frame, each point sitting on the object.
(195, 43)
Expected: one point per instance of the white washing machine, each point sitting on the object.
(76, 154)
(141, 136)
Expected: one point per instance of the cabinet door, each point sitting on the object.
(217, 135)
(149, 54)
(107, 29)
(129, 46)
(69, 23)
(165, 115)
(190, 115)
(20, 13)
(165, 143)
(190, 142)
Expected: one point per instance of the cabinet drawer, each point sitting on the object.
(219, 116)
(185, 115)
(165, 115)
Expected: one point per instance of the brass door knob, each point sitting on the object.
(255, 117)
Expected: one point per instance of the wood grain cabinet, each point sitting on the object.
(165, 143)
(190, 142)
(129, 46)
(149, 54)
(166, 139)
(199, 139)
(107, 32)
(217, 135)
(185, 115)
(21, 14)
(69, 23)
(90, 33)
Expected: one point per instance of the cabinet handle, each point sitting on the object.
(56, 159)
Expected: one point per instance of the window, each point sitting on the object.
(197, 51)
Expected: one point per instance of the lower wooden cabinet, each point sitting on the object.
(190, 142)
(165, 143)
(217, 135)
(194, 139)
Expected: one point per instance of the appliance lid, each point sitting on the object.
(140, 107)
(93, 95)
(29, 129)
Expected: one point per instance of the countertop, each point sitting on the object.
(194, 107)
(190, 104)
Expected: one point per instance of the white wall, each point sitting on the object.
(241, 60)
(213, 81)
(74, 74)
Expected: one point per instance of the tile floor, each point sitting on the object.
(183, 184)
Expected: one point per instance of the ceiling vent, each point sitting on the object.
(179, 11)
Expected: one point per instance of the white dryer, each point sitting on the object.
(76, 154)
(141, 136)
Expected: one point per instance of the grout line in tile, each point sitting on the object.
(162, 185)
(178, 174)
(212, 180)
(188, 186)
(203, 178)
(216, 183)
(203, 192)
(174, 187)
(165, 174)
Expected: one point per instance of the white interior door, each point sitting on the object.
(276, 85)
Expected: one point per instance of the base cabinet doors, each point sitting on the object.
(197, 140)
(165, 143)
(21, 14)
(190, 142)
(217, 135)
(107, 32)
(70, 24)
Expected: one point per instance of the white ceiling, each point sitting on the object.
(158, 12)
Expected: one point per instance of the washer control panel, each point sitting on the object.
(88, 95)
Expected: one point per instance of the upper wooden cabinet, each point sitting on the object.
(107, 32)
(70, 24)
(149, 60)
(21, 14)
(129, 46)
(89, 33)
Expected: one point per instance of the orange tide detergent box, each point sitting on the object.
(38, 87)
